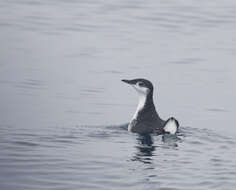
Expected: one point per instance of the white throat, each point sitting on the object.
(142, 92)
(141, 103)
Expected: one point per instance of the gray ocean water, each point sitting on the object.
(63, 107)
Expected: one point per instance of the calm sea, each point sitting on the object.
(64, 109)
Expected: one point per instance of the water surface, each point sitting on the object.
(63, 104)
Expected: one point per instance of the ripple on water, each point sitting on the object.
(105, 156)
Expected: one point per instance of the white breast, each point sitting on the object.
(141, 103)
(142, 92)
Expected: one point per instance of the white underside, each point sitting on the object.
(129, 127)
(171, 127)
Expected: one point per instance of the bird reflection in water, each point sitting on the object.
(145, 149)
(170, 140)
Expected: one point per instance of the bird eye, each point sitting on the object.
(141, 84)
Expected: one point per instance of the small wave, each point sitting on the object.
(25, 143)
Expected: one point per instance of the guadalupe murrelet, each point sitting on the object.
(146, 118)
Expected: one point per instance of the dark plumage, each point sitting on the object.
(146, 118)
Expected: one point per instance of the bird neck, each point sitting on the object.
(149, 104)
(145, 105)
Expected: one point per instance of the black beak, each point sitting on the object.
(128, 81)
